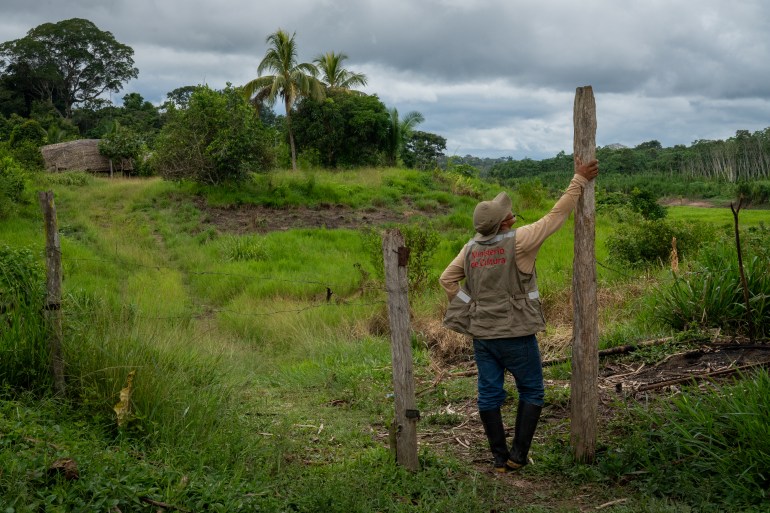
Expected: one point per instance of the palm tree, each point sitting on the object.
(334, 75)
(400, 130)
(289, 80)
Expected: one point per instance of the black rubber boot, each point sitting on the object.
(527, 416)
(493, 427)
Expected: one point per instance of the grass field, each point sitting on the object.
(253, 392)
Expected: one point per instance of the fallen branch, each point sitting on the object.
(613, 350)
(696, 377)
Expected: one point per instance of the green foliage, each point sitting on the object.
(422, 241)
(216, 139)
(23, 341)
(531, 194)
(29, 132)
(399, 132)
(645, 203)
(344, 130)
(650, 242)
(13, 183)
(455, 165)
(119, 145)
(242, 248)
(290, 80)
(72, 61)
(710, 293)
(423, 149)
(755, 192)
(707, 448)
(69, 178)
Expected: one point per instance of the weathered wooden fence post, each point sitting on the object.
(53, 288)
(584, 401)
(395, 257)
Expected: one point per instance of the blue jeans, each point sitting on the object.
(521, 357)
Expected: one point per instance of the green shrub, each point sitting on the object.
(754, 192)
(217, 138)
(29, 131)
(644, 202)
(711, 294)
(13, 182)
(650, 241)
(531, 194)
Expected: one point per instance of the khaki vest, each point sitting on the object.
(496, 300)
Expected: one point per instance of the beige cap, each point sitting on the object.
(488, 216)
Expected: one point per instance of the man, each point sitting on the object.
(499, 306)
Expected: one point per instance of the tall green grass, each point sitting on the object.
(24, 352)
(708, 448)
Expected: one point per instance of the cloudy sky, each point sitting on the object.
(495, 77)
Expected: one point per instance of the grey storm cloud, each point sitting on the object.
(495, 77)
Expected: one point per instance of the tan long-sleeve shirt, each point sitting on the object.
(529, 238)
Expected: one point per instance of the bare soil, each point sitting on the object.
(684, 202)
(243, 219)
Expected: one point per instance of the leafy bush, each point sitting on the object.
(644, 202)
(466, 186)
(343, 130)
(29, 131)
(650, 241)
(711, 294)
(217, 138)
(119, 145)
(13, 182)
(755, 192)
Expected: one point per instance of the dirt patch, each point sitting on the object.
(684, 202)
(243, 219)
(706, 364)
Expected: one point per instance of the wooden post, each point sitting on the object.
(53, 288)
(395, 257)
(584, 401)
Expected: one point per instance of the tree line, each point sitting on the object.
(744, 157)
(53, 80)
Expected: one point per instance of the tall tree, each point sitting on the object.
(72, 60)
(400, 130)
(290, 80)
(349, 130)
(334, 75)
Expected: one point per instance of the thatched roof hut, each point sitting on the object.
(82, 155)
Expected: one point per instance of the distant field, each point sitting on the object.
(719, 216)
